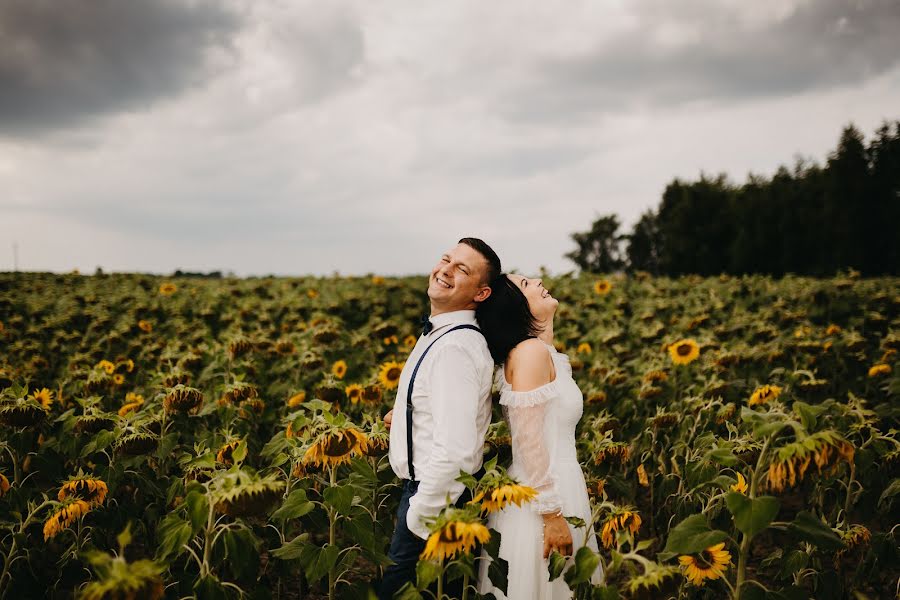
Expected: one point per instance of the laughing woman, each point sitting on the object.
(542, 405)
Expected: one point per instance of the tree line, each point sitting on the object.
(809, 220)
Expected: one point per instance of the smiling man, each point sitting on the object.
(443, 405)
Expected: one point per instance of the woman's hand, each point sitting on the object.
(557, 535)
(387, 419)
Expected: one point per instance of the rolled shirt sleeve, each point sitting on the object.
(455, 397)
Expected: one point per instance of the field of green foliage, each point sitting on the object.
(222, 438)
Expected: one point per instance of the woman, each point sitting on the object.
(542, 405)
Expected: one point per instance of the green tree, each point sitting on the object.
(645, 245)
(600, 248)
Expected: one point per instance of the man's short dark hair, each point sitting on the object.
(493, 261)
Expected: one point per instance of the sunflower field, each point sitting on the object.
(223, 438)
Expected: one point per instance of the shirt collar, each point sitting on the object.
(456, 316)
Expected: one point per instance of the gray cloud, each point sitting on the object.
(62, 62)
(714, 55)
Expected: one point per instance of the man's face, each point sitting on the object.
(457, 281)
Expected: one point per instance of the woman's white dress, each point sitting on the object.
(542, 427)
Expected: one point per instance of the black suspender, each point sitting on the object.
(409, 406)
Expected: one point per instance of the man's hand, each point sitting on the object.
(387, 419)
(557, 536)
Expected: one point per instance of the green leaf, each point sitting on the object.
(242, 553)
(586, 561)
(605, 593)
(198, 510)
(174, 533)
(722, 456)
(322, 559)
(692, 535)
(240, 452)
(293, 549)
(810, 528)
(427, 571)
(751, 515)
(498, 572)
(556, 564)
(209, 588)
(408, 592)
(889, 492)
(339, 497)
(124, 538)
(295, 506)
(807, 414)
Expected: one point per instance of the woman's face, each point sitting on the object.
(541, 303)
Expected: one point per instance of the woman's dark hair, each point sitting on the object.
(505, 318)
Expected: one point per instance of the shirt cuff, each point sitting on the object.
(415, 525)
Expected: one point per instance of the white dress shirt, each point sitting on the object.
(451, 413)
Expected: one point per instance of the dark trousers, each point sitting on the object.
(406, 548)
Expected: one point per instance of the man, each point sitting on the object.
(451, 403)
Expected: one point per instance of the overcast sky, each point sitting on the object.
(306, 137)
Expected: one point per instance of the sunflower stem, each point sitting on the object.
(744, 552)
(332, 572)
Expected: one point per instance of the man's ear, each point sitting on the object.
(482, 294)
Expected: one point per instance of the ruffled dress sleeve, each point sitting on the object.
(526, 413)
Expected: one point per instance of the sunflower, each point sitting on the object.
(409, 341)
(223, 456)
(297, 399)
(84, 487)
(709, 564)
(598, 397)
(354, 392)
(684, 352)
(832, 329)
(456, 531)
(763, 394)
(665, 419)
(118, 379)
(377, 280)
(137, 443)
(642, 476)
(879, 369)
(242, 493)
(602, 287)
(21, 413)
(182, 399)
(654, 577)
(168, 288)
(107, 366)
(133, 402)
(655, 376)
(140, 579)
(335, 447)
(312, 294)
(145, 326)
(741, 485)
(494, 500)
(620, 519)
(64, 517)
(44, 397)
(95, 422)
(389, 374)
(583, 348)
(826, 449)
(339, 369)
(612, 452)
(372, 394)
(4, 485)
(390, 340)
